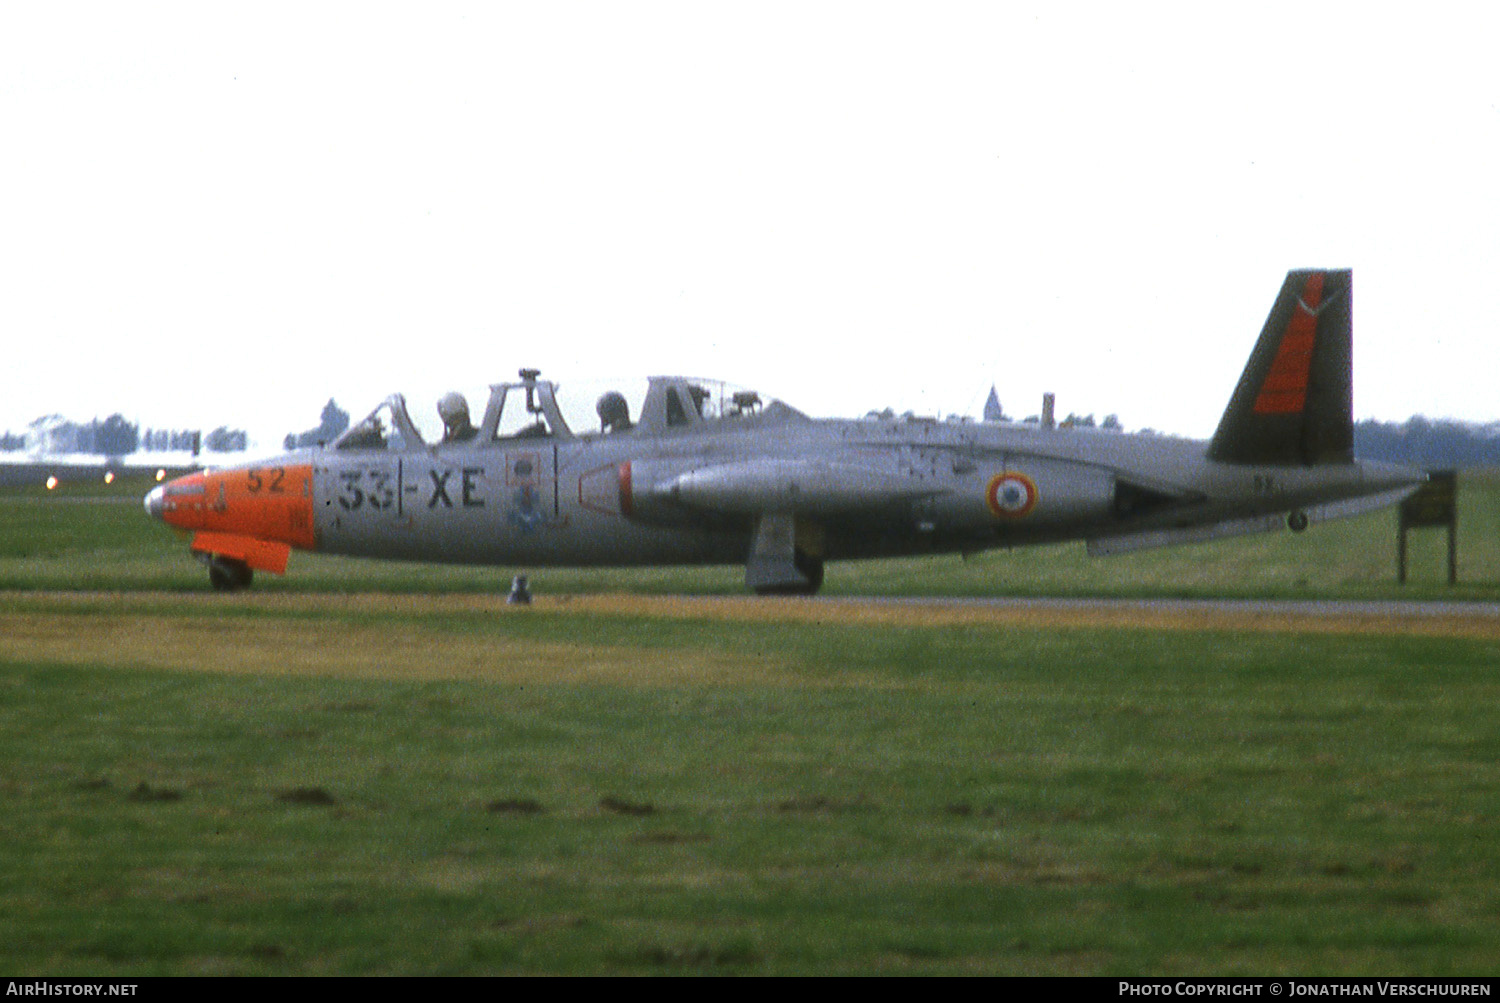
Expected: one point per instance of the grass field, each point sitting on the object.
(377, 769)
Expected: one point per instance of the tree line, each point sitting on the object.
(117, 436)
(1432, 444)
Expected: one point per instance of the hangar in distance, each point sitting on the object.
(699, 472)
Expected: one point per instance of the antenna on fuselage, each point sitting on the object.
(528, 377)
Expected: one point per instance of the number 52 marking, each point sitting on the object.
(256, 480)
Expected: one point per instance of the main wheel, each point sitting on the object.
(226, 574)
(811, 569)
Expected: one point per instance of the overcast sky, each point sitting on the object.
(223, 213)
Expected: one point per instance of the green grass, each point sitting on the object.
(199, 784)
(875, 799)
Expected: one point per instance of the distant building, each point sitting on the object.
(52, 435)
(992, 410)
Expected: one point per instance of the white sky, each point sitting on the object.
(218, 213)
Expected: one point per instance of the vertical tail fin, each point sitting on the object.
(1294, 402)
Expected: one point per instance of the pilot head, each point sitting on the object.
(454, 411)
(614, 412)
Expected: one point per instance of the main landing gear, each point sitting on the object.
(786, 558)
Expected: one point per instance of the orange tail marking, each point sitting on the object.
(1284, 390)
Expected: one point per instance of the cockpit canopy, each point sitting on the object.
(530, 409)
(676, 402)
(386, 427)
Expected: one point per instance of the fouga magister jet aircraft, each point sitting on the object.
(705, 474)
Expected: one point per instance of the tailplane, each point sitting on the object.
(1294, 402)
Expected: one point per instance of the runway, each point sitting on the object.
(1477, 620)
(1428, 618)
(1272, 607)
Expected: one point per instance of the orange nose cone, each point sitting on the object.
(179, 502)
(264, 503)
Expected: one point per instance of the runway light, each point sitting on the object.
(109, 477)
(161, 475)
(51, 483)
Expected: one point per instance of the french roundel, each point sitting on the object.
(1011, 495)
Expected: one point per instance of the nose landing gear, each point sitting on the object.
(226, 574)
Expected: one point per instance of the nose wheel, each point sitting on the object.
(226, 574)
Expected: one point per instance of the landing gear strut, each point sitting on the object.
(226, 574)
(786, 558)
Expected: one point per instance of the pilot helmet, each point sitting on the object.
(453, 409)
(614, 412)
